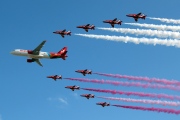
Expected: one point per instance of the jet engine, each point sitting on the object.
(30, 60)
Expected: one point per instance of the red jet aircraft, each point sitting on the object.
(86, 27)
(63, 32)
(84, 72)
(137, 16)
(61, 54)
(73, 87)
(112, 22)
(55, 77)
(88, 95)
(103, 104)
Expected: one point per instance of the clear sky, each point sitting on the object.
(26, 93)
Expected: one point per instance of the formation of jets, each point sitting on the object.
(36, 54)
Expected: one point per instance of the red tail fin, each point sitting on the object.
(63, 52)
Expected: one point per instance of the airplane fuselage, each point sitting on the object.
(21, 52)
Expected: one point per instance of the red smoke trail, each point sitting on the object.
(135, 84)
(140, 94)
(146, 79)
(145, 101)
(172, 111)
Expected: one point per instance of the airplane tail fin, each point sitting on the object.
(69, 33)
(93, 27)
(63, 53)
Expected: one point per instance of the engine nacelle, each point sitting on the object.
(30, 60)
(30, 52)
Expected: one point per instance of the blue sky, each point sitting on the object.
(25, 93)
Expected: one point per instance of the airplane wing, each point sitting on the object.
(38, 48)
(115, 19)
(38, 62)
(62, 35)
(86, 30)
(87, 24)
(112, 25)
(136, 19)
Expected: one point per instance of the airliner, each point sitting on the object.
(36, 54)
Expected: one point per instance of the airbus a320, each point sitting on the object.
(36, 54)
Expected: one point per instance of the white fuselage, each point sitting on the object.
(21, 52)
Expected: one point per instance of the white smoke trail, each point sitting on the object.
(158, 27)
(174, 21)
(157, 33)
(154, 41)
(145, 101)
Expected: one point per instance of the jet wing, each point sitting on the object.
(136, 19)
(38, 62)
(86, 30)
(38, 48)
(138, 14)
(62, 35)
(112, 25)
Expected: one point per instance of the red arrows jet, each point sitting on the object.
(61, 54)
(86, 27)
(84, 72)
(103, 104)
(63, 32)
(88, 95)
(112, 22)
(137, 16)
(55, 77)
(73, 87)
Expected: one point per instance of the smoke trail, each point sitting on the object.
(130, 93)
(174, 21)
(145, 101)
(172, 111)
(146, 79)
(158, 27)
(166, 42)
(128, 84)
(160, 34)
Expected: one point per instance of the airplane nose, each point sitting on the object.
(12, 52)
